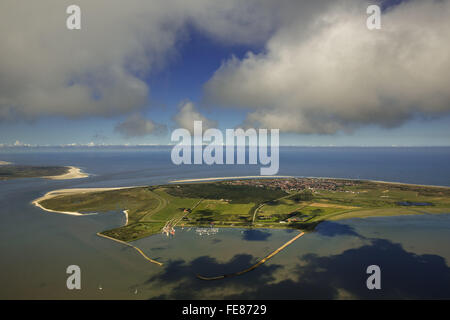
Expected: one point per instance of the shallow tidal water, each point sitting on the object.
(36, 247)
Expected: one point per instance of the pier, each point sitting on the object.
(135, 248)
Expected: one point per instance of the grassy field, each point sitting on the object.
(138, 201)
(224, 205)
(15, 171)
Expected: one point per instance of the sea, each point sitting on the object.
(36, 247)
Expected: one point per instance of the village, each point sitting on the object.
(296, 184)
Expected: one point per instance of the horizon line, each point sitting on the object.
(91, 145)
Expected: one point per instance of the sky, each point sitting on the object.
(134, 72)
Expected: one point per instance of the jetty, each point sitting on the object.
(135, 248)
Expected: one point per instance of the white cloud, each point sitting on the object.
(322, 70)
(328, 72)
(137, 126)
(188, 114)
(46, 69)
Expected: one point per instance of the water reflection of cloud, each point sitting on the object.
(255, 235)
(159, 248)
(403, 275)
(332, 229)
(188, 286)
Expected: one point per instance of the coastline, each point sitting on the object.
(73, 173)
(408, 184)
(134, 233)
(55, 193)
(229, 178)
(4, 163)
(305, 177)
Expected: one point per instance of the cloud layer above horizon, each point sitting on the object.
(332, 74)
(321, 70)
(100, 70)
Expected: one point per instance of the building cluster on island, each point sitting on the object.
(296, 184)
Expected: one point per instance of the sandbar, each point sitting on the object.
(73, 173)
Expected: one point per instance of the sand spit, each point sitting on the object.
(55, 193)
(74, 173)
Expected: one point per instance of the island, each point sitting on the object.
(11, 171)
(289, 203)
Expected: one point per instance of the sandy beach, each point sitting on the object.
(55, 193)
(408, 184)
(74, 173)
(4, 163)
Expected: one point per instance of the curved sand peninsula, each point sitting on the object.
(59, 192)
(73, 173)
(55, 193)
